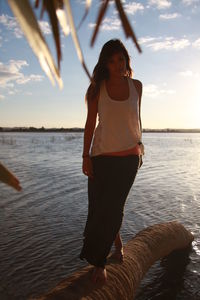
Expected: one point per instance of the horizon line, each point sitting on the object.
(42, 128)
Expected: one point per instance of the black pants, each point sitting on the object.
(107, 193)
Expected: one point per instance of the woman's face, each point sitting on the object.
(116, 65)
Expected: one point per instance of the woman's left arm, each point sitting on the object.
(138, 86)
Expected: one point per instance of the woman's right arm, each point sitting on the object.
(92, 105)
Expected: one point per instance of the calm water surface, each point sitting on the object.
(41, 227)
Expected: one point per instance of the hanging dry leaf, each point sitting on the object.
(61, 15)
(87, 7)
(74, 36)
(101, 14)
(126, 25)
(51, 10)
(8, 178)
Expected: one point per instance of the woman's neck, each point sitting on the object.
(116, 80)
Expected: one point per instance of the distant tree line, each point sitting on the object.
(171, 130)
(41, 129)
(77, 129)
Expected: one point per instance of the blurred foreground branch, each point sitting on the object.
(8, 178)
(60, 15)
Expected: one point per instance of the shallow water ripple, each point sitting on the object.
(41, 227)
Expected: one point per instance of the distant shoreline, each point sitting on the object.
(76, 129)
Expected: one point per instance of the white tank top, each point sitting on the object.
(118, 126)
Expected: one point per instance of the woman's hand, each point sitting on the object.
(87, 167)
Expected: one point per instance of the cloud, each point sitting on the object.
(0, 41)
(45, 27)
(133, 7)
(153, 91)
(189, 2)
(24, 79)
(196, 44)
(2, 97)
(169, 16)
(82, 2)
(113, 22)
(108, 24)
(11, 74)
(11, 24)
(28, 93)
(148, 39)
(189, 73)
(13, 92)
(167, 43)
(160, 4)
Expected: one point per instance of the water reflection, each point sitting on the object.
(168, 278)
(41, 227)
(195, 246)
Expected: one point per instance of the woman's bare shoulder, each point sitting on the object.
(138, 85)
(92, 95)
(137, 82)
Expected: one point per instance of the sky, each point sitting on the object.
(169, 66)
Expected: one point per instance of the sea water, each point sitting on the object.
(41, 227)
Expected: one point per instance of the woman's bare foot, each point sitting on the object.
(119, 254)
(99, 275)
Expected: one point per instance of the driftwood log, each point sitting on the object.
(141, 252)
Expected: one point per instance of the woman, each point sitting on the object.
(111, 152)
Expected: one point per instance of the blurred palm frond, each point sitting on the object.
(60, 14)
(126, 25)
(75, 36)
(101, 14)
(87, 8)
(29, 24)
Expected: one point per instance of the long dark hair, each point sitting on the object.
(100, 71)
